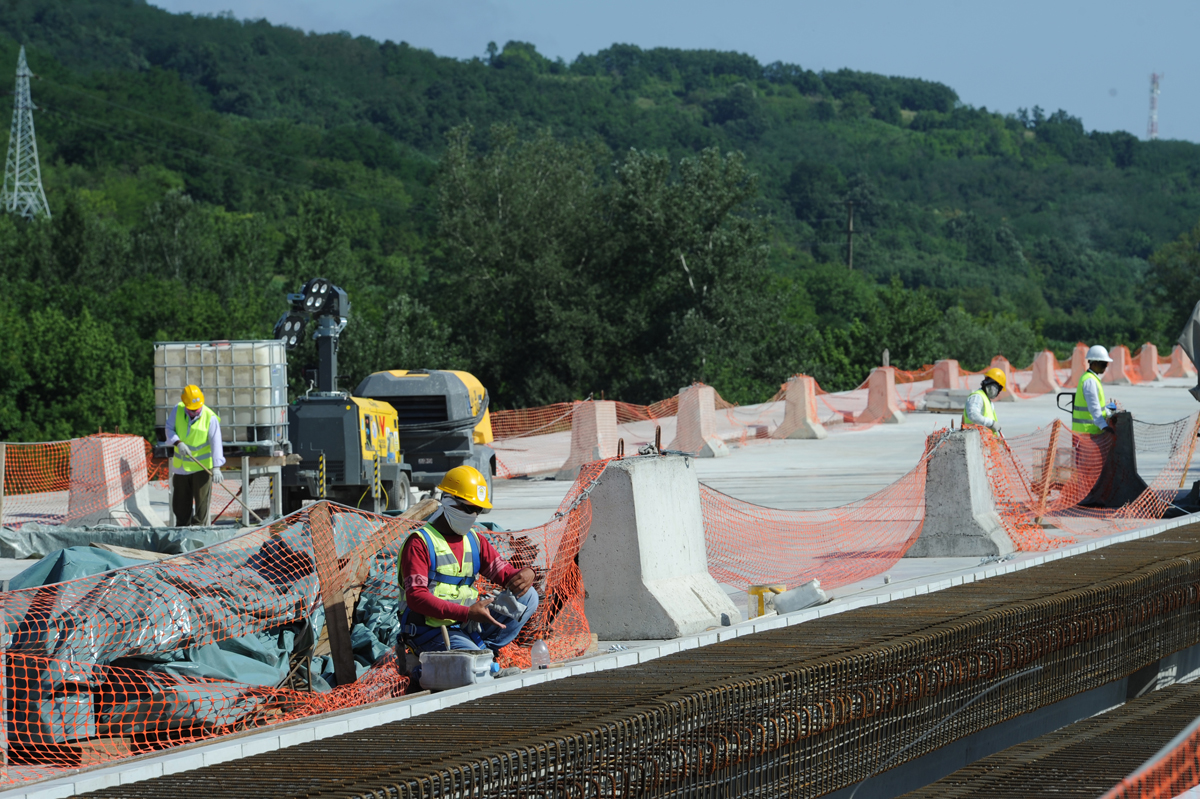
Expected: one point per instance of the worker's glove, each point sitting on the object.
(183, 449)
(996, 430)
(217, 476)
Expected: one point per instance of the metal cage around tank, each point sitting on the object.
(244, 382)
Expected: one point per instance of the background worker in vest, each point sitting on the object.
(195, 432)
(439, 565)
(1089, 414)
(979, 409)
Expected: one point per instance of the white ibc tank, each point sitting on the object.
(244, 382)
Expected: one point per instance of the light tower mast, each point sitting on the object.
(22, 193)
(1152, 126)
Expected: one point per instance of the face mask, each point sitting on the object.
(459, 520)
(992, 390)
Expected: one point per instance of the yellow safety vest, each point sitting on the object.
(195, 435)
(989, 412)
(449, 580)
(1081, 417)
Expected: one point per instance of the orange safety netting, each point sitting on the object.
(750, 544)
(1045, 481)
(139, 659)
(81, 481)
(1170, 773)
(92, 480)
(538, 440)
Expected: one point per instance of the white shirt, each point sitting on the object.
(975, 411)
(1091, 394)
(215, 444)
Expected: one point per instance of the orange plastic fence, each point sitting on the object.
(535, 440)
(1040, 479)
(86, 481)
(73, 482)
(1168, 774)
(750, 544)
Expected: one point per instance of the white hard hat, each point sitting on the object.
(1098, 353)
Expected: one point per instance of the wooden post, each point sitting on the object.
(332, 593)
(850, 235)
(1048, 470)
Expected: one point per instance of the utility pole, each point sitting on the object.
(22, 193)
(1152, 125)
(850, 234)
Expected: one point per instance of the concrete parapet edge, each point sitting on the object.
(195, 756)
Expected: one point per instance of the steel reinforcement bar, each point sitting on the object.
(796, 712)
(1084, 760)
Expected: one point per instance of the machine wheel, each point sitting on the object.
(399, 495)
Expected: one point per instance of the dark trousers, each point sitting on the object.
(186, 489)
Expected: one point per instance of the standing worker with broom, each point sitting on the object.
(195, 431)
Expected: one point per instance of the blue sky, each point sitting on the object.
(1092, 59)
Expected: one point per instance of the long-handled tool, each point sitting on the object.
(229, 490)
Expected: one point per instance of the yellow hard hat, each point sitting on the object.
(466, 483)
(193, 398)
(996, 374)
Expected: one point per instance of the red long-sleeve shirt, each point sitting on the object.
(414, 575)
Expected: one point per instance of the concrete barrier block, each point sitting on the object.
(1044, 380)
(1147, 363)
(108, 483)
(947, 375)
(1001, 363)
(883, 404)
(800, 411)
(960, 510)
(696, 423)
(1079, 365)
(1181, 364)
(593, 436)
(644, 563)
(1117, 373)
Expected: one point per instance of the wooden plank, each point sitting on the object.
(130, 552)
(332, 593)
(422, 510)
(2, 449)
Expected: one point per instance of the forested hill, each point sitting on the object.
(627, 222)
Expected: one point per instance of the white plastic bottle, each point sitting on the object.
(539, 654)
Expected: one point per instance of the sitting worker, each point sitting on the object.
(439, 564)
(195, 432)
(1089, 413)
(979, 409)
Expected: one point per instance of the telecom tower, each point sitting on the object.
(22, 193)
(1152, 126)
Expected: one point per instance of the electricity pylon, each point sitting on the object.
(22, 193)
